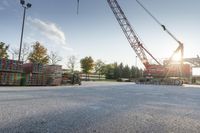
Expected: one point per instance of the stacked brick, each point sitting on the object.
(53, 74)
(10, 72)
(33, 74)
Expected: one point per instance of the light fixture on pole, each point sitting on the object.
(25, 6)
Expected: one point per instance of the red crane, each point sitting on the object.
(179, 48)
(134, 41)
(158, 71)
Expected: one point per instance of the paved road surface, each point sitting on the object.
(100, 108)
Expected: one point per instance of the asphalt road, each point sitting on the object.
(100, 108)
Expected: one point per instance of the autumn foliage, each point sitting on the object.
(39, 54)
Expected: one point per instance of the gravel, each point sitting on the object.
(100, 107)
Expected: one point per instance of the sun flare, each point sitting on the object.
(176, 57)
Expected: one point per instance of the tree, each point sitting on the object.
(136, 72)
(120, 67)
(87, 65)
(3, 50)
(24, 52)
(72, 60)
(126, 73)
(140, 73)
(54, 58)
(109, 71)
(133, 72)
(116, 71)
(39, 54)
(99, 67)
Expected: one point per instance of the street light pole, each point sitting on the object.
(28, 5)
(22, 33)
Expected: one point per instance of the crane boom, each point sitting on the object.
(130, 33)
(161, 73)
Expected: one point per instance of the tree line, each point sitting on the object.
(38, 54)
(111, 71)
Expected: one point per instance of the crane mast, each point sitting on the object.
(130, 33)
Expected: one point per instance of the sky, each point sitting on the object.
(95, 31)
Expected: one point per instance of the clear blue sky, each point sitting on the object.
(95, 31)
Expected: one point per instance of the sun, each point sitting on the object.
(176, 57)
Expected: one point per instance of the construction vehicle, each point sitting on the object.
(166, 73)
(71, 78)
(155, 73)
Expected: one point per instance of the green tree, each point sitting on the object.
(87, 65)
(39, 54)
(126, 72)
(109, 71)
(140, 73)
(133, 72)
(99, 67)
(116, 71)
(120, 67)
(3, 50)
(136, 72)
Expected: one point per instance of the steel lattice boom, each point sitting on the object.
(130, 33)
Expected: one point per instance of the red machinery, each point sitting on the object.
(166, 73)
(161, 72)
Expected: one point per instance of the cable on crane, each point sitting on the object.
(180, 47)
(151, 15)
(157, 21)
(78, 6)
